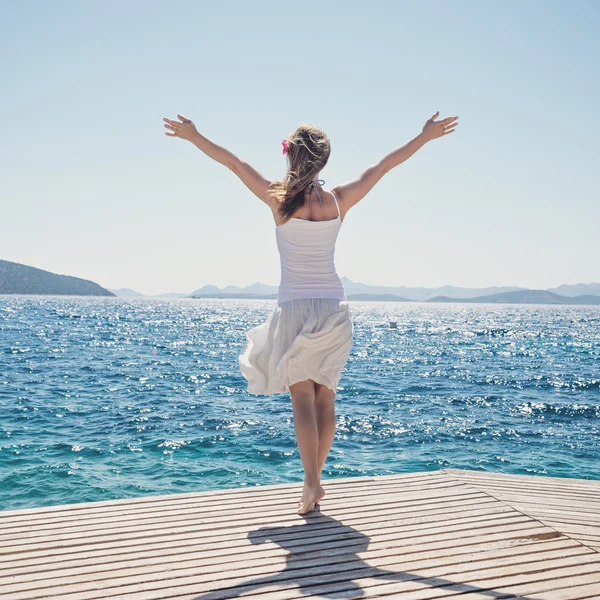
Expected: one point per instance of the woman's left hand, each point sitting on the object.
(185, 130)
(434, 129)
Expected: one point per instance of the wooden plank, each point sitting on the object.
(156, 567)
(201, 504)
(354, 563)
(373, 581)
(527, 498)
(558, 488)
(388, 531)
(185, 538)
(437, 475)
(553, 504)
(584, 484)
(204, 525)
(576, 592)
(441, 516)
(321, 557)
(203, 509)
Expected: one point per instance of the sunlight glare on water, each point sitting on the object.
(105, 398)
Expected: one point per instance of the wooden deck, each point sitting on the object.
(415, 536)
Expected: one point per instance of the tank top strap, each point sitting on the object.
(336, 202)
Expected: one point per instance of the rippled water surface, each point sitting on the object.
(113, 398)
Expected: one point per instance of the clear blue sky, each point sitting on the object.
(90, 185)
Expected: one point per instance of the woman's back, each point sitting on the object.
(306, 249)
(312, 211)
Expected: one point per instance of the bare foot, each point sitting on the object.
(310, 497)
(321, 495)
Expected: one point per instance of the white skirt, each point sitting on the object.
(305, 338)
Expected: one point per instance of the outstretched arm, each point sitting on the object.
(352, 192)
(251, 178)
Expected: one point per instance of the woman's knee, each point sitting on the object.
(303, 391)
(323, 394)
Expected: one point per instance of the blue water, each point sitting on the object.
(114, 398)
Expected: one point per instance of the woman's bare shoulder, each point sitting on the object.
(336, 195)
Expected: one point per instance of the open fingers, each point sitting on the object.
(170, 127)
(184, 119)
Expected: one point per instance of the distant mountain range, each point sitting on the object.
(21, 279)
(521, 296)
(358, 291)
(362, 291)
(581, 293)
(525, 297)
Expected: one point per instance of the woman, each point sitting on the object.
(305, 342)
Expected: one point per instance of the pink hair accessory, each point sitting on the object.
(285, 150)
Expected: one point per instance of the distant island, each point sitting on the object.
(129, 293)
(126, 293)
(21, 279)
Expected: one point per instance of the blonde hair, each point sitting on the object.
(308, 153)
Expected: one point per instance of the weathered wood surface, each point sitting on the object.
(415, 536)
(571, 506)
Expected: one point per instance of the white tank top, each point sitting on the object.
(306, 250)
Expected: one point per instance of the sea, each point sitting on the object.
(109, 398)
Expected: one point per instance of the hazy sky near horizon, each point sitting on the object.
(91, 186)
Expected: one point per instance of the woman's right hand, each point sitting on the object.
(435, 129)
(185, 130)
